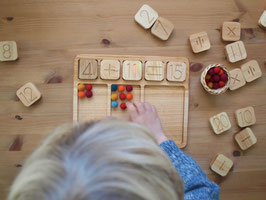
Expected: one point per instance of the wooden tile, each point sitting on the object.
(162, 28)
(262, 20)
(237, 79)
(221, 165)
(28, 94)
(236, 51)
(231, 31)
(110, 69)
(245, 116)
(176, 71)
(245, 138)
(200, 42)
(220, 123)
(146, 16)
(8, 51)
(154, 70)
(251, 70)
(132, 70)
(88, 69)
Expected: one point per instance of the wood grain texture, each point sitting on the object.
(49, 34)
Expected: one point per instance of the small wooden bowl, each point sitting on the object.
(214, 91)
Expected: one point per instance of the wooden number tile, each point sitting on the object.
(28, 94)
(220, 123)
(221, 165)
(200, 42)
(8, 51)
(146, 16)
(236, 51)
(87, 69)
(245, 138)
(176, 71)
(110, 69)
(251, 70)
(237, 79)
(132, 70)
(245, 116)
(154, 70)
(262, 20)
(231, 31)
(162, 28)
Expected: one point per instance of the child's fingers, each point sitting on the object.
(132, 110)
(148, 107)
(153, 108)
(140, 107)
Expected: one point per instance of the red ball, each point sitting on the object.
(216, 78)
(211, 71)
(215, 85)
(217, 70)
(224, 77)
(129, 88)
(89, 94)
(221, 72)
(207, 81)
(88, 87)
(123, 106)
(122, 96)
(221, 84)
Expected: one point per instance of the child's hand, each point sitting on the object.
(146, 114)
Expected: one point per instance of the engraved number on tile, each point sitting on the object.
(246, 116)
(145, 14)
(28, 95)
(88, 70)
(162, 27)
(6, 51)
(221, 122)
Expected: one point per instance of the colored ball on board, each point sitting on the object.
(88, 86)
(123, 106)
(121, 88)
(129, 88)
(81, 87)
(114, 104)
(122, 96)
(224, 77)
(114, 96)
(129, 96)
(89, 94)
(81, 94)
(114, 87)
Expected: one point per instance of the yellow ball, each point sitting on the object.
(81, 87)
(114, 97)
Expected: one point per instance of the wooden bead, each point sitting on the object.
(81, 87)
(123, 106)
(121, 88)
(81, 94)
(129, 96)
(114, 97)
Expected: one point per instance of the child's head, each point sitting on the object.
(105, 160)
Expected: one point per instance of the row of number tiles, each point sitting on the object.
(132, 70)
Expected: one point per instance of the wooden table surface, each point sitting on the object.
(50, 33)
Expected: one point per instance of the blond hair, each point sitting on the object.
(109, 159)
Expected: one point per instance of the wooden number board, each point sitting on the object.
(161, 81)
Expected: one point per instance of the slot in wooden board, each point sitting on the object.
(171, 98)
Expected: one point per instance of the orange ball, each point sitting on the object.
(129, 96)
(114, 97)
(81, 87)
(81, 94)
(210, 85)
(121, 88)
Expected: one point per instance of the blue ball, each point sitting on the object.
(114, 104)
(114, 87)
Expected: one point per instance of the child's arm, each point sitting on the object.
(196, 183)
